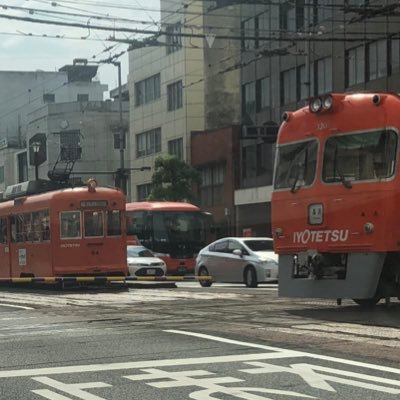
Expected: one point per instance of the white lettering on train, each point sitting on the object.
(307, 236)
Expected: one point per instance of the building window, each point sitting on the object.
(305, 82)
(117, 141)
(324, 75)
(355, 66)
(249, 98)
(287, 17)
(175, 148)
(323, 10)
(258, 160)
(2, 174)
(394, 56)
(49, 98)
(263, 28)
(356, 3)
(377, 59)
(288, 92)
(263, 93)
(148, 142)
(174, 40)
(174, 92)
(212, 185)
(143, 191)
(82, 97)
(248, 29)
(22, 160)
(70, 146)
(147, 90)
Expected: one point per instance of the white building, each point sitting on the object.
(87, 131)
(178, 87)
(22, 93)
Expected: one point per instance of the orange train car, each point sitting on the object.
(174, 231)
(336, 196)
(63, 233)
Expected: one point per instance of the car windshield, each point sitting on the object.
(259, 245)
(139, 251)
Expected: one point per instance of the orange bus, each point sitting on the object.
(335, 204)
(174, 231)
(62, 233)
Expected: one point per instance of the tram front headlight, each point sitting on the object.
(315, 105)
(327, 102)
(369, 228)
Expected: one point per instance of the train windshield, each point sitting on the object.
(296, 165)
(359, 157)
(169, 231)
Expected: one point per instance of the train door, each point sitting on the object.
(5, 264)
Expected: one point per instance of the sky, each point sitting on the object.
(21, 50)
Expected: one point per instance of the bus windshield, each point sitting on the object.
(360, 156)
(296, 165)
(178, 233)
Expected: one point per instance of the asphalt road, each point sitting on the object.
(187, 342)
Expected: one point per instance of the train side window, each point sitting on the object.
(18, 232)
(114, 223)
(94, 224)
(3, 230)
(70, 224)
(45, 224)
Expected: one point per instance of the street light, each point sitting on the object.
(36, 149)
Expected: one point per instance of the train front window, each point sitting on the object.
(114, 223)
(360, 157)
(296, 165)
(174, 227)
(70, 224)
(94, 224)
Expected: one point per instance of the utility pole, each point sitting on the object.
(122, 171)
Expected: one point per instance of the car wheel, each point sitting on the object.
(250, 277)
(203, 271)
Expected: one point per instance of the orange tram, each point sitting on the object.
(71, 232)
(174, 231)
(336, 197)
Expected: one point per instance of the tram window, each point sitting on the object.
(70, 224)
(114, 223)
(28, 228)
(18, 232)
(93, 221)
(360, 156)
(3, 230)
(45, 222)
(296, 165)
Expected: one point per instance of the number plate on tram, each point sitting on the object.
(315, 214)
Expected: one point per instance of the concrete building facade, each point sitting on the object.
(22, 93)
(86, 131)
(181, 86)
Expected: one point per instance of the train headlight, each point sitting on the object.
(327, 102)
(278, 232)
(92, 184)
(315, 105)
(369, 228)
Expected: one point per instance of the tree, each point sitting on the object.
(173, 179)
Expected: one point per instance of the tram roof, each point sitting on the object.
(161, 206)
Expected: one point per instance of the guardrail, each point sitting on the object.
(104, 279)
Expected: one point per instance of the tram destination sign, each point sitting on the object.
(94, 203)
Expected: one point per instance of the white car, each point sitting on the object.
(250, 260)
(142, 262)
